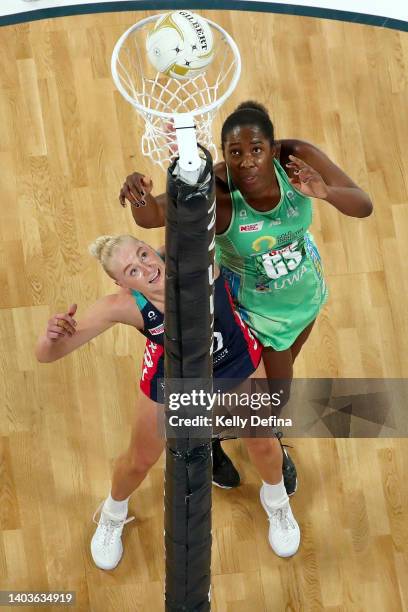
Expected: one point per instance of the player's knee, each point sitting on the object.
(140, 464)
(279, 392)
(262, 447)
(141, 460)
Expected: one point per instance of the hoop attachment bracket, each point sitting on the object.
(190, 160)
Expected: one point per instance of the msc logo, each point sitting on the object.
(251, 227)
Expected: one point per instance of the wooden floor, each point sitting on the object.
(66, 143)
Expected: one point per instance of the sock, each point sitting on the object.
(275, 494)
(115, 507)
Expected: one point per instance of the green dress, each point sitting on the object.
(272, 264)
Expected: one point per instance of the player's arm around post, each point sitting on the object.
(148, 211)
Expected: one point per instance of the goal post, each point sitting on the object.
(188, 357)
(178, 114)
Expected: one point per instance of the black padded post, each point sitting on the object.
(190, 224)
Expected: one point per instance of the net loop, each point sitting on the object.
(157, 97)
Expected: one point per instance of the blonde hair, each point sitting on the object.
(103, 248)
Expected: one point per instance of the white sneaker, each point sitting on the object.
(284, 532)
(106, 544)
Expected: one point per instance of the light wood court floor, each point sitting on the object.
(67, 141)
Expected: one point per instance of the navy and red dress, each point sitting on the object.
(236, 352)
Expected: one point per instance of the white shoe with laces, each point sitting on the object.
(284, 532)
(106, 544)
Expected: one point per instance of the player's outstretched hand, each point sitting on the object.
(306, 179)
(135, 189)
(62, 324)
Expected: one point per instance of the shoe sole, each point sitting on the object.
(105, 568)
(293, 492)
(222, 486)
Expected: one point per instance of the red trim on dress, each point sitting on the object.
(254, 346)
(151, 357)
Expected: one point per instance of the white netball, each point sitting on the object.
(180, 45)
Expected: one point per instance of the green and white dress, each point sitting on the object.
(272, 265)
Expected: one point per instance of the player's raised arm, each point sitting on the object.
(64, 334)
(315, 175)
(147, 210)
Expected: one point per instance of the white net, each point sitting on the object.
(157, 97)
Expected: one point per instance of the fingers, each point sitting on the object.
(169, 127)
(65, 321)
(301, 170)
(126, 193)
(122, 199)
(72, 309)
(310, 183)
(297, 164)
(135, 189)
(297, 161)
(305, 175)
(147, 184)
(61, 325)
(299, 180)
(54, 333)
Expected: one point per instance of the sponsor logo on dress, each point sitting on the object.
(148, 362)
(151, 314)
(263, 242)
(283, 267)
(156, 331)
(251, 227)
(293, 211)
(283, 283)
(289, 237)
(242, 212)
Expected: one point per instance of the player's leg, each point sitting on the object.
(145, 447)
(225, 474)
(300, 340)
(270, 458)
(266, 456)
(265, 453)
(279, 364)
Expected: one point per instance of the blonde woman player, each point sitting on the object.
(139, 272)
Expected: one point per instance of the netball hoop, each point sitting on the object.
(177, 113)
